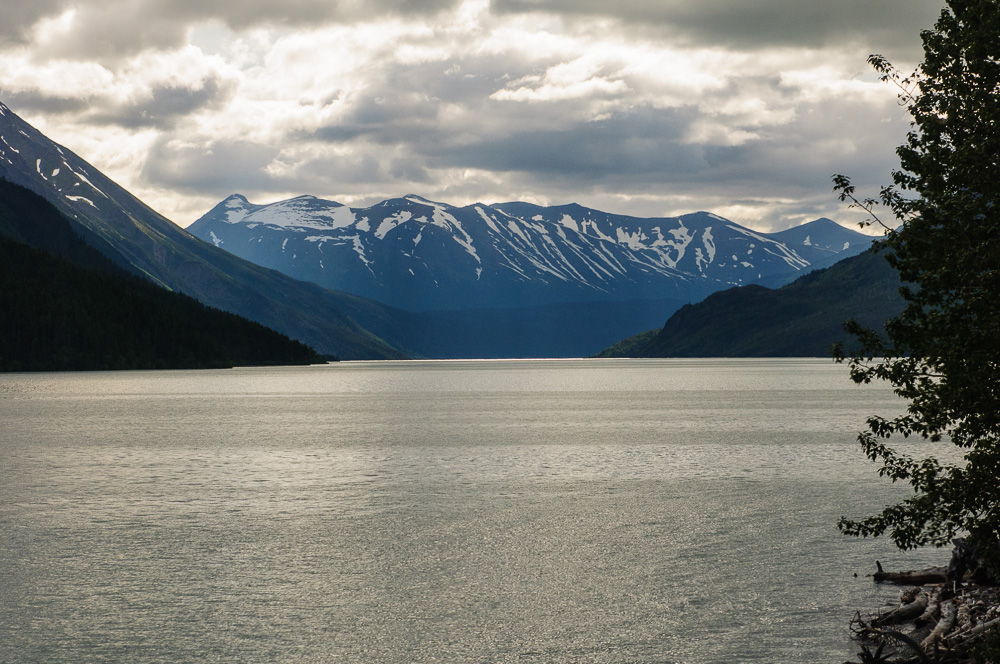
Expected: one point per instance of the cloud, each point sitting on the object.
(17, 18)
(43, 102)
(155, 89)
(881, 24)
(106, 29)
(640, 107)
(218, 167)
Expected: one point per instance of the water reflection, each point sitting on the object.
(452, 511)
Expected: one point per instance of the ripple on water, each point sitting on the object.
(503, 512)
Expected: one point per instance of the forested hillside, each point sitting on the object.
(64, 306)
(802, 319)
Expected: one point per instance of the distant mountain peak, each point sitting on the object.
(414, 198)
(824, 223)
(128, 231)
(418, 254)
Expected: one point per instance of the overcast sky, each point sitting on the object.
(744, 108)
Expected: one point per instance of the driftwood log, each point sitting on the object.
(920, 577)
(942, 616)
(904, 612)
(967, 564)
(932, 624)
(948, 613)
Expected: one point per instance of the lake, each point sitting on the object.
(467, 511)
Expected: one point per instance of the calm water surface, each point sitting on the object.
(523, 511)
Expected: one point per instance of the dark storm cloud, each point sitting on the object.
(298, 13)
(884, 24)
(113, 28)
(222, 167)
(400, 118)
(43, 102)
(17, 17)
(644, 144)
(165, 104)
(159, 107)
(406, 103)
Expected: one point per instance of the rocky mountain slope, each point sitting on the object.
(421, 255)
(137, 238)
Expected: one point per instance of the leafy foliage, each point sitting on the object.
(942, 353)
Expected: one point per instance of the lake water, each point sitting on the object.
(410, 512)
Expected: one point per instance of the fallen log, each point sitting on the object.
(921, 577)
(948, 613)
(932, 608)
(967, 613)
(904, 612)
(963, 640)
(963, 620)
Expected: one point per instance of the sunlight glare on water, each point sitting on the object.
(518, 511)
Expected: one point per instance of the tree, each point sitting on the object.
(942, 353)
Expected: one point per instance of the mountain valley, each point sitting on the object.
(410, 277)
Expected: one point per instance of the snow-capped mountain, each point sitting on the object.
(422, 255)
(570, 281)
(821, 238)
(144, 242)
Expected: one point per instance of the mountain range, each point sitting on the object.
(410, 277)
(420, 255)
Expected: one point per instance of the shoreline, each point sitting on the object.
(931, 623)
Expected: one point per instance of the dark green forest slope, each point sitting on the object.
(802, 319)
(64, 306)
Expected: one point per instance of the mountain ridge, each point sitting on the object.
(65, 306)
(801, 319)
(136, 237)
(620, 271)
(421, 255)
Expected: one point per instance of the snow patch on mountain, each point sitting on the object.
(448, 222)
(489, 220)
(389, 223)
(709, 242)
(635, 240)
(83, 178)
(567, 221)
(300, 213)
(415, 253)
(82, 199)
(774, 248)
(515, 228)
